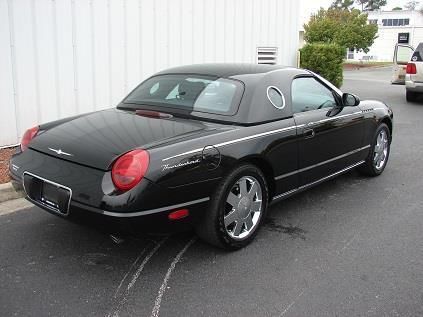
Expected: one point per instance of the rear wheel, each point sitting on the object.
(379, 152)
(236, 210)
(410, 95)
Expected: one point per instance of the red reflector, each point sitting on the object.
(28, 136)
(411, 69)
(178, 214)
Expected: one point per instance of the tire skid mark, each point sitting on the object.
(124, 297)
(129, 271)
(156, 309)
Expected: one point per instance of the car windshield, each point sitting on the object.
(193, 93)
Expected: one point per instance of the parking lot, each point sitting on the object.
(349, 247)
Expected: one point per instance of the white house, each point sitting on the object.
(394, 26)
(63, 57)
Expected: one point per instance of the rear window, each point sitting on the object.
(193, 93)
(418, 54)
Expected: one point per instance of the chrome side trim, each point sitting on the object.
(52, 183)
(153, 211)
(301, 188)
(182, 154)
(255, 136)
(250, 137)
(321, 163)
(259, 135)
(335, 118)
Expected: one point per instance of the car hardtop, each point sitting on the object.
(255, 106)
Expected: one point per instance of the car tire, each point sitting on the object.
(410, 96)
(379, 152)
(237, 209)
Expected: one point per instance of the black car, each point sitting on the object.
(210, 145)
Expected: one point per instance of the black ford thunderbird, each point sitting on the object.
(211, 145)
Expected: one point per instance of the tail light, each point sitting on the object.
(28, 136)
(411, 69)
(129, 169)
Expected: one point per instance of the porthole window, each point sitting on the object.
(276, 97)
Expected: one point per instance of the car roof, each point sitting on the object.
(223, 69)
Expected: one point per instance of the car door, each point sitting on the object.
(402, 55)
(326, 144)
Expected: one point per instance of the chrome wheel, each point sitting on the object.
(381, 150)
(243, 208)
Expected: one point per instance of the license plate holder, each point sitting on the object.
(50, 195)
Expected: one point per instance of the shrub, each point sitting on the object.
(325, 60)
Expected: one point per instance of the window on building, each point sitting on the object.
(267, 55)
(373, 21)
(350, 53)
(395, 22)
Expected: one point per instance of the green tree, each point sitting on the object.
(362, 3)
(411, 5)
(371, 5)
(375, 5)
(325, 60)
(342, 4)
(348, 29)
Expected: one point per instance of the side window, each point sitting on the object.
(418, 54)
(309, 94)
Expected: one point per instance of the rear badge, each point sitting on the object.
(169, 167)
(60, 152)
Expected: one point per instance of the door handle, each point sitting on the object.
(309, 133)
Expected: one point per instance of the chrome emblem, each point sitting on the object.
(60, 152)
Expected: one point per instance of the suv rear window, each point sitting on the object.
(193, 93)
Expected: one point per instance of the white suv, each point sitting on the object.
(414, 75)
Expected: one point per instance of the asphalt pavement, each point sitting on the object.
(352, 246)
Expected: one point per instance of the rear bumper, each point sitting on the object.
(413, 86)
(90, 195)
(129, 223)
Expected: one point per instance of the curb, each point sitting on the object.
(11, 190)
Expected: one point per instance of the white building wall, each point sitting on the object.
(384, 45)
(63, 57)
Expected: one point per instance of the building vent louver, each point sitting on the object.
(267, 55)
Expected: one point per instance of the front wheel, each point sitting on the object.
(236, 210)
(379, 152)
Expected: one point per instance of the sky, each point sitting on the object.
(310, 6)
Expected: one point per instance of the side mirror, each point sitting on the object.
(350, 100)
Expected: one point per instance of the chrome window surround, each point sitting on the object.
(280, 93)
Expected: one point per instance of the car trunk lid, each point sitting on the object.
(98, 138)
